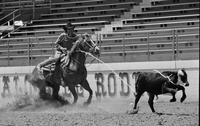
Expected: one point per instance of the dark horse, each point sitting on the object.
(156, 83)
(64, 73)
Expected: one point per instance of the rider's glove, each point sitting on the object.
(64, 50)
(69, 53)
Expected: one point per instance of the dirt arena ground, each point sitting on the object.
(26, 111)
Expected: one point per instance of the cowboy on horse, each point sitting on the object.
(65, 44)
(70, 67)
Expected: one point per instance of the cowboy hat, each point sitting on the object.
(68, 26)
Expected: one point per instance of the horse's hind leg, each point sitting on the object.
(73, 91)
(86, 86)
(44, 94)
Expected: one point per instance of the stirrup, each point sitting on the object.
(40, 71)
(38, 67)
(41, 75)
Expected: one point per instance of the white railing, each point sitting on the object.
(48, 51)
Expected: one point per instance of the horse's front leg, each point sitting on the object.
(86, 86)
(73, 91)
(43, 94)
(56, 96)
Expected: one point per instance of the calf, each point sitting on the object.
(155, 83)
(177, 77)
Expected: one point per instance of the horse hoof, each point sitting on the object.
(64, 102)
(182, 99)
(172, 100)
(86, 103)
(133, 111)
(74, 103)
(61, 100)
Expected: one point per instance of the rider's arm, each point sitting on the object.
(58, 43)
(75, 45)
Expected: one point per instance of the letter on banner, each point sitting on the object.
(99, 81)
(111, 76)
(123, 85)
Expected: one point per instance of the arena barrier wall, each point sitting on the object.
(110, 80)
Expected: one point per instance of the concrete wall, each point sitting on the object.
(108, 80)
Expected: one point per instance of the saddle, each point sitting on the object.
(49, 68)
(68, 64)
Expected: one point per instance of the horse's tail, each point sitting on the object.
(138, 80)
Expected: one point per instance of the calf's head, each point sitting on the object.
(182, 77)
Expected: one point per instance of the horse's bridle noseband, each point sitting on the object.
(91, 47)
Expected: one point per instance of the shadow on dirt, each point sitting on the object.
(177, 114)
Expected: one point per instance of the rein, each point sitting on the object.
(75, 59)
(86, 53)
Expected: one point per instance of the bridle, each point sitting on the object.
(91, 47)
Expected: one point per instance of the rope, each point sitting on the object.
(109, 68)
(168, 77)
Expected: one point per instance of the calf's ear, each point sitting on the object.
(180, 72)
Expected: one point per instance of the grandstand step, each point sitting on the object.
(22, 60)
(146, 33)
(95, 7)
(160, 19)
(75, 20)
(88, 30)
(111, 41)
(12, 5)
(84, 13)
(166, 13)
(89, 3)
(148, 46)
(176, 6)
(165, 25)
(77, 24)
(154, 39)
(164, 2)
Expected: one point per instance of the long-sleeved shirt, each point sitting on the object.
(65, 41)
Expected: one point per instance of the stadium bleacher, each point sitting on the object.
(126, 30)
